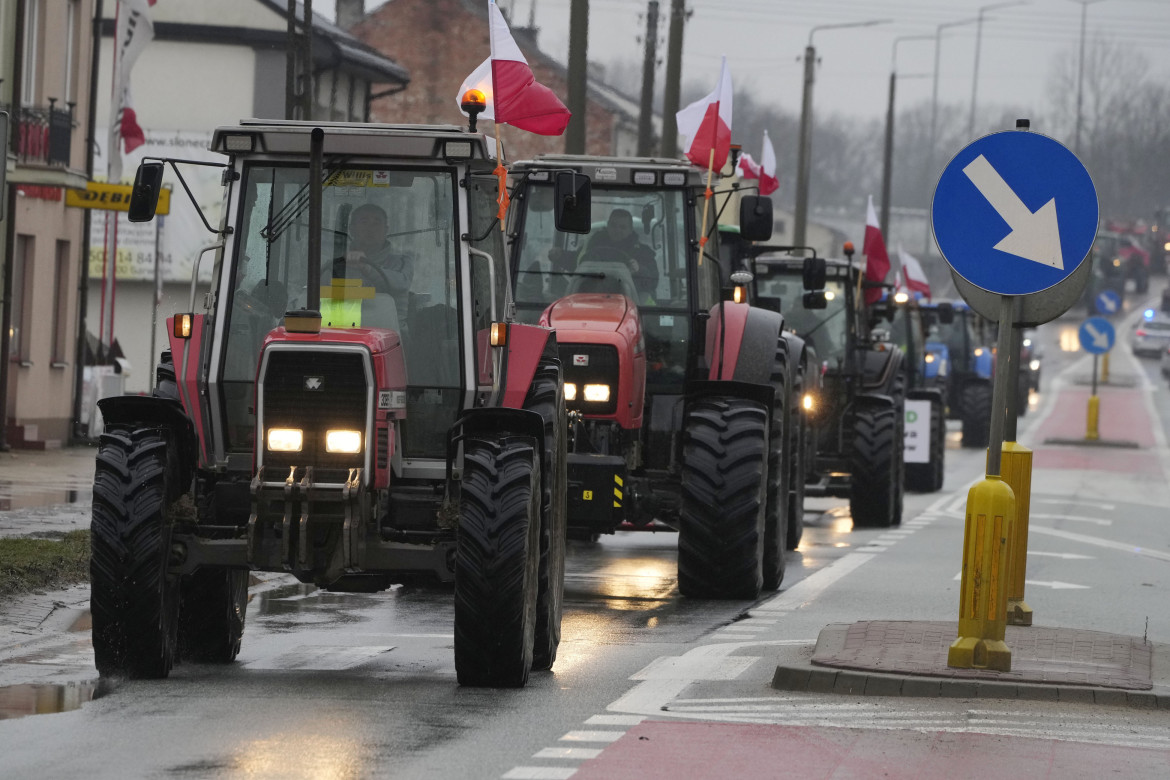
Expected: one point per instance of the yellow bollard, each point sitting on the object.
(1105, 368)
(991, 514)
(1094, 408)
(1016, 469)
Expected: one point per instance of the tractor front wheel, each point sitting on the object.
(497, 562)
(875, 474)
(724, 485)
(134, 601)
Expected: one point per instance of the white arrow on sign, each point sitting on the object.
(1108, 303)
(1100, 340)
(1033, 236)
(1056, 585)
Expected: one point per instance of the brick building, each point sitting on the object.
(442, 41)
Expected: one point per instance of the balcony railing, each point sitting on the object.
(42, 135)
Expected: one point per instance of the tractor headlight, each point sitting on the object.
(570, 391)
(808, 402)
(597, 394)
(343, 441)
(1034, 365)
(285, 439)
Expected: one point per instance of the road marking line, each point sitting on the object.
(1161, 556)
(1072, 518)
(567, 752)
(593, 736)
(804, 592)
(614, 720)
(540, 773)
(1079, 502)
(1065, 556)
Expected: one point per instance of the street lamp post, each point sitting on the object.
(1081, 73)
(888, 155)
(804, 155)
(978, 43)
(934, 114)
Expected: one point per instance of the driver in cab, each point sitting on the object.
(616, 243)
(370, 257)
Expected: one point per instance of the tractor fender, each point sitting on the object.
(145, 411)
(764, 394)
(741, 342)
(526, 343)
(494, 421)
(879, 368)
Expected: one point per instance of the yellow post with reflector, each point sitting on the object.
(990, 524)
(1017, 473)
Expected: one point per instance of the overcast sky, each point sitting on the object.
(765, 38)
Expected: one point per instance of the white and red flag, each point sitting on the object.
(132, 32)
(514, 96)
(912, 276)
(765, 173)
(706, 124)
(877, 261)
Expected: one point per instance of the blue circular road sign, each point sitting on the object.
(1096, 335)
(1108, 302)
(1014, 213)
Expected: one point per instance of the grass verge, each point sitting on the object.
(43, 564)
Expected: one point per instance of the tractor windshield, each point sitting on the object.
(823, 328)
(637, 246)
(388, 260)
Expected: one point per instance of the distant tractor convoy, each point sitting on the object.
(441, 399)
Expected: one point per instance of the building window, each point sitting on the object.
(61, 307)
(20, 335)
(32, 41)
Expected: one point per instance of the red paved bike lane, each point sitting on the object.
(658, 750)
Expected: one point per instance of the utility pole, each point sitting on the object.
(645, 123)
(578, 62)
(670, 98)
(888, 156)
(1081, 73)
(307, 83)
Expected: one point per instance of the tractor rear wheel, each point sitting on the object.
(134, 601)
(799, 433)
(875, 476)
(497, 561)
(546, 396)
(776, 512)
(975, 412)
(724, 484)
(211, 615)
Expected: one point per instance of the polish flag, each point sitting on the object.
(133, 31)
(912, 274)
(877, 261)
(766, 173)
(514, 97)
(706, 124)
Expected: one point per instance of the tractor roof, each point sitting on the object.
(347, 138)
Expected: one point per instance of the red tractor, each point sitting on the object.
(322, 418)
(681, 404)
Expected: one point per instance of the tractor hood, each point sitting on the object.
(605, 312)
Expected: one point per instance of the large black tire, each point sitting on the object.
(779, 474)
(546, 396)
(875, 482)
(975, 412)
(213, 602)
(724, 487)
(497, 562)
(899, 396)
(799, 433)
(928, 477)
(134, 602)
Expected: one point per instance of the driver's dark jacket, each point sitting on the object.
(645, 278)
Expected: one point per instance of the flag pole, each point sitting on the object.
(706, 204)
(502, 174)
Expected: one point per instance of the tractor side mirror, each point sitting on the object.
(647, 218)
(144, 195)
(946, 313)
(815, 300)
(755, 218)
(572, 202)
(814, 274)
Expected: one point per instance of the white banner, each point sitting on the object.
(181, 233)
(917, 432)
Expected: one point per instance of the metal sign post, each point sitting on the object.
(1015, 215)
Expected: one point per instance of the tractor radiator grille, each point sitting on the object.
(587, 364)
(315, 390)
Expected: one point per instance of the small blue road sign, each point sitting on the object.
(1014, 213)
(1108, 302)
(1097, 335)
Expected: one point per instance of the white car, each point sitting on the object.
(1151, 336)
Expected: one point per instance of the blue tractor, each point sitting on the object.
(963, 339)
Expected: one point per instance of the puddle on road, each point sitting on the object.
(17, 701)
(23, 496)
